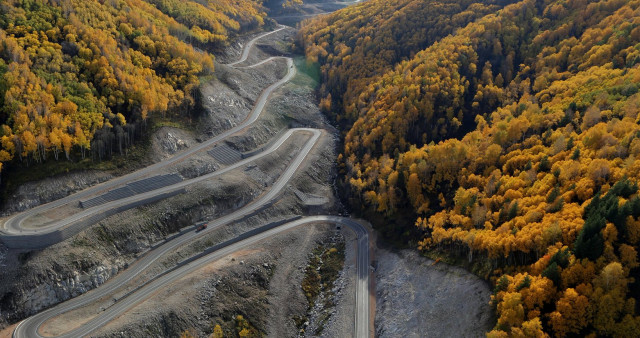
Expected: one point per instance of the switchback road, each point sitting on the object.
(247, 47)
(30, 326)
(37, 238)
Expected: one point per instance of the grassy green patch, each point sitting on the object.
(171, 121)
(104, 236)
(308, 74)
(79, 241)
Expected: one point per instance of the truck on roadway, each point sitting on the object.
(201, 226)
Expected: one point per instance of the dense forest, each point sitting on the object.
(505, 133)
(351, 54)
(80, 75)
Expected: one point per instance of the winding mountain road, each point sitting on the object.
(247, 47)
(33, 323)
(13, 227)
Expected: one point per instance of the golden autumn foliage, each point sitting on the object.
(359, 43)
(73, 69)
(514, 141)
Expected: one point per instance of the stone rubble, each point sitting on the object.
(172, 143)
(59, 289)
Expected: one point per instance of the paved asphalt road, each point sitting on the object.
(29, 327)
(247, 47)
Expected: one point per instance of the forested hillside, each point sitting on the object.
(79, 75)
(511, 142)
(358, 44)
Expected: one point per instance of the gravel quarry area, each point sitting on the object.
(417, 298)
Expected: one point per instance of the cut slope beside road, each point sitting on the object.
(69, 226)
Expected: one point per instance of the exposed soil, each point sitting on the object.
(33, 194)
(35, 280)
(167, 141)
(7, 332)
